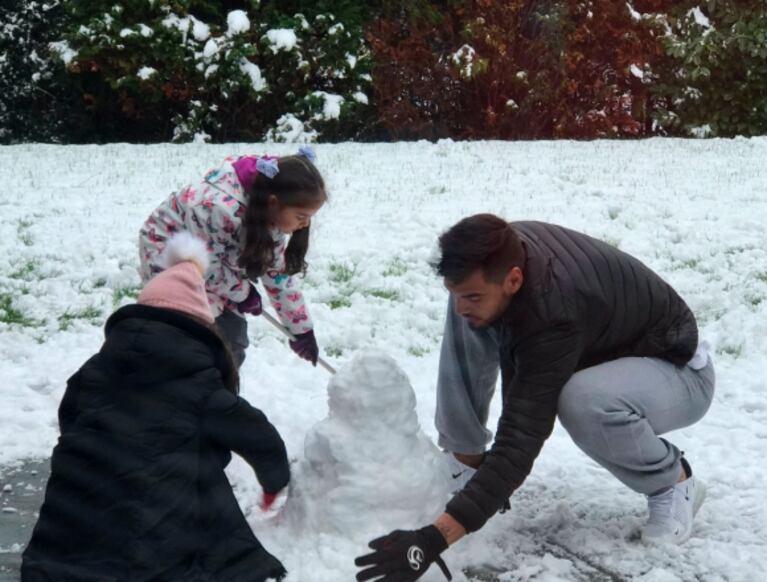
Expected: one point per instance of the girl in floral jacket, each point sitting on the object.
(254, 214)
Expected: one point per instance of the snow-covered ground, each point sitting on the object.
(693, 210)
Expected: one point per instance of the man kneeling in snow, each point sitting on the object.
(578, 329)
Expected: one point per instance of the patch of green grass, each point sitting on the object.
(119, 294)
(22, 232)
(12, 316)
(711, 315)
(417, 351)
(737, 250)
(334, 352)
(340, 273)
(762, 277)
(27, 271)
(755, 300)
(100, 283)
(66, 320)
(384, 294)
(685, 264)
(395, 268)
(731, 350)
(690, 263)
(339, 302)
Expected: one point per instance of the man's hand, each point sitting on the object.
(403, 556)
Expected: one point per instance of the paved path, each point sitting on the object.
(21, 493)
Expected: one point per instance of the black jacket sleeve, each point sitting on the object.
(68, 408)
(533, 377)
(231, 422)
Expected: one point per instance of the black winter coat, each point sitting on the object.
(137, 490)
(582, 303)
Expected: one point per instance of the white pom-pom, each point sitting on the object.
(185, 247)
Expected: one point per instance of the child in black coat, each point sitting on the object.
(137, 490)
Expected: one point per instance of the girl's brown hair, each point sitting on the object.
(299, 184)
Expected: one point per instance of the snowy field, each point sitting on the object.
(695, 211)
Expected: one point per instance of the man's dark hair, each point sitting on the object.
(482, 241)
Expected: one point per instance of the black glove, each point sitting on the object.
(403, 556)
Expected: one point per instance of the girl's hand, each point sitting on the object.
(305, 345)
(252, 303)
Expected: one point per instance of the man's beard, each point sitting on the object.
(477, 324)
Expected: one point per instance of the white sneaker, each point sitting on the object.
(673, 510)
(460, 474)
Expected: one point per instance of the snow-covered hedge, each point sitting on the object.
(717, 80)
(225, 71)
(305, 70)
(31, 94)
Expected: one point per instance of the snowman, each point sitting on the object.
(368, 467)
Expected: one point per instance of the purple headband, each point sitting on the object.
(308, 152)
(269, 167)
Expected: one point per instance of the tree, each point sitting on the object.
(519, 69)
(716, 82)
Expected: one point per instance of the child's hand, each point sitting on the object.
(274, 502)
(267, 501)
(252, 303)
(305, 345)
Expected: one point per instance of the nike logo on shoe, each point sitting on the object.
(458, 474)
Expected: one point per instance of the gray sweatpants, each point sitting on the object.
(614, 412)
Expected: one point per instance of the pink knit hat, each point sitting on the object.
(181, 286)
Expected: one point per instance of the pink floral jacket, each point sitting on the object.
(212, 210)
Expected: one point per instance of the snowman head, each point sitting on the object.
(373, 390)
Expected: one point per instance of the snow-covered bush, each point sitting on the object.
(305, 70)
(225, 71)
(33, 93)
(716, 84)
